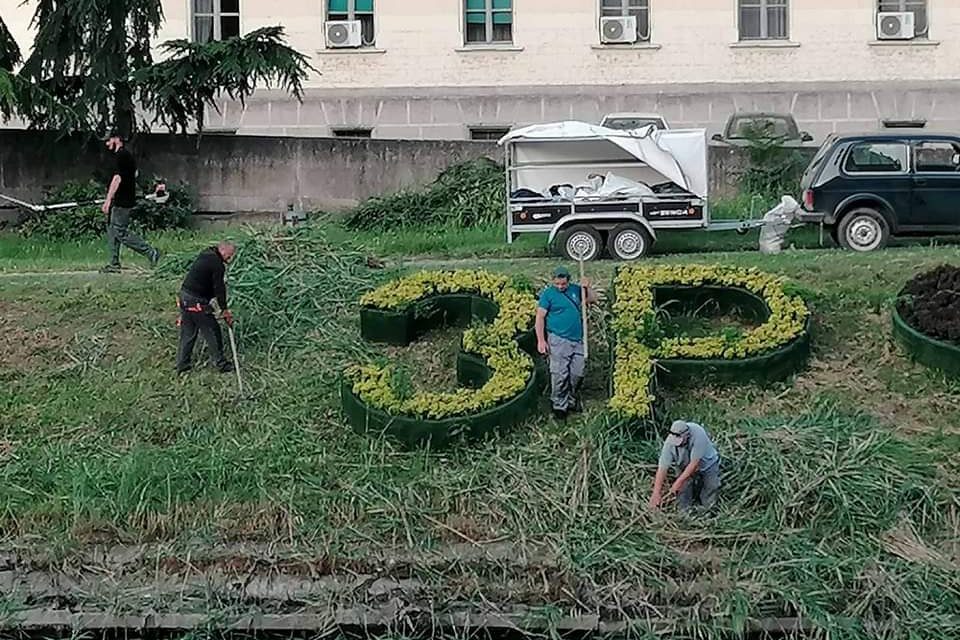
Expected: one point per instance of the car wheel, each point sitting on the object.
(863, 230)
(629, 242)
(581, 242)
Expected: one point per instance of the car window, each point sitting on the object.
(877, 157)
(937, 156)
(633, 123)
(762, 127)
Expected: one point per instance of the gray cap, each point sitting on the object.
(678, 429)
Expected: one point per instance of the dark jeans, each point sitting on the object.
(203, 323)
(119, 234)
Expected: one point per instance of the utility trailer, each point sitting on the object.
(592, 188)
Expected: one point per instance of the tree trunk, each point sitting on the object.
(124, 115)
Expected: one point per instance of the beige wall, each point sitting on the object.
(695, 40)
(556, 42)
(421, 82)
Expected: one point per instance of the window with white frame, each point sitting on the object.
(918, 8)
(488, 21)
(640, 9)
(215, 19)
(361, 10)
(764, 20)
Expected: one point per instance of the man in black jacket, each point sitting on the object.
(121, 198)
(203, 284)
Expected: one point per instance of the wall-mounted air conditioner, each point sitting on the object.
(343, 33)
(619, 30)
(896, 25)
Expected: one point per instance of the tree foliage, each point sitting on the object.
(95, 56)
(20, 97)
(85, 52)
(179, 89)
(9, 51)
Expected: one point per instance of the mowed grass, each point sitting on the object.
(840, 501)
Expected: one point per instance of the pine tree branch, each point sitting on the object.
(179, 89)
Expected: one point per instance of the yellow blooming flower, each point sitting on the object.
(495, 342)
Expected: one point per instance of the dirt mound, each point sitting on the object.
(930, 303)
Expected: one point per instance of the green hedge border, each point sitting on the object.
(403, 327)
(765, 368)
(769, 367)
(931, 352)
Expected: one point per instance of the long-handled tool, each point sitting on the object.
(160, 195)
(233, 347)
(583, 310)
(236, 361)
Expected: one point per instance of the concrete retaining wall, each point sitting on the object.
(265, 174)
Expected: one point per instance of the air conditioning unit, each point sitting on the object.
(343, 33)
(895, 25)
(619, 30)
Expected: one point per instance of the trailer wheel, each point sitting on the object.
(629, 242)
(581, 242)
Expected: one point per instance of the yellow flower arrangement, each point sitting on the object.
(634, 316)
(495, 342)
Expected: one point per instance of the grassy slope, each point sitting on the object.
(101, 443)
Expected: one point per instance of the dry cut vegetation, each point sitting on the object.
(840, 504)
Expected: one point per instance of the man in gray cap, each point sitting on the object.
(559, 328)
(689, 451)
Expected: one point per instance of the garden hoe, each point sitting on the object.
(233, 349)
(583, 310)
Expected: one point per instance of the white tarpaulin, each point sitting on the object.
(679, 155)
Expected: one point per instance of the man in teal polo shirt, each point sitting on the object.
(559, 329)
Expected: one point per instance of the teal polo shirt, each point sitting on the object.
(563, 312)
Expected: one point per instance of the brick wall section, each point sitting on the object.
(265, 174)
(241, 173)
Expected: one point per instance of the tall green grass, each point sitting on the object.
(840, 488)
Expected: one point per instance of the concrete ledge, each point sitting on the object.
(332, 619)
(488, 48)
(642, 46)
(350, 52)
(764, 44)
(904, 43)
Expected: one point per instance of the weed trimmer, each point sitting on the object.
(160, 195)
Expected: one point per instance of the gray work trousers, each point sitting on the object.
(119, 234)
(566, 371)
(701, 490)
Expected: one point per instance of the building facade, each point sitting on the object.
(454, 69)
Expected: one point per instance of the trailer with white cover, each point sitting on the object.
(592, 188)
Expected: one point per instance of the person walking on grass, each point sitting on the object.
(121, 198)
(559, 328)
(690, 453)
(203, 284)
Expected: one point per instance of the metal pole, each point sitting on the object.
(583, 309)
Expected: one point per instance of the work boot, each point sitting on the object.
(110, 268)
(577, 406)
(559, 415)
(225, 367)
(184, 369)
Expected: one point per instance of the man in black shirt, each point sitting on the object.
(203, 284)
(121, 198)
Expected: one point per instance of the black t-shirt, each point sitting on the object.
(126, 195)
(205, 278)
